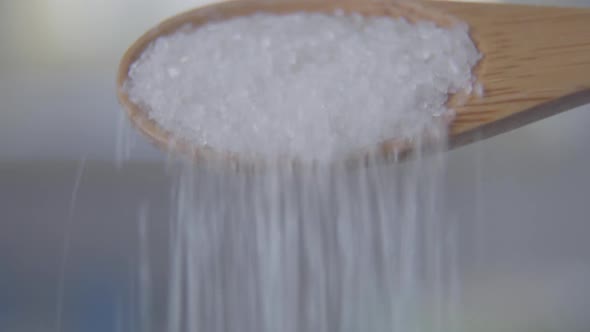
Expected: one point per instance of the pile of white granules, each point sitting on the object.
(306, 86)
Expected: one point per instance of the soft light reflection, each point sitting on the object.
(73, 31)
(45, 32)
(90, 29)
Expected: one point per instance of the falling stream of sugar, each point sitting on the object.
(145, 296)
(297, 250)
(66, 246)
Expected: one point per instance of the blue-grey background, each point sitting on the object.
(522, 199)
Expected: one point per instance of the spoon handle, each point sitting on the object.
(536, 64)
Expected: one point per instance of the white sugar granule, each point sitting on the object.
(307, 86)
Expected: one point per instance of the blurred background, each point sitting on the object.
(522, 199)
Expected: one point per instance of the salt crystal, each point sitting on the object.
(173, 72)
(306, 86)
(479, 91)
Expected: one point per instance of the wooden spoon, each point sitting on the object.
(536, 61)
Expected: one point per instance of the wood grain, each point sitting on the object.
(537, 64)
(536, 61)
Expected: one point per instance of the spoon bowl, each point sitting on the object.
(536, 63)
